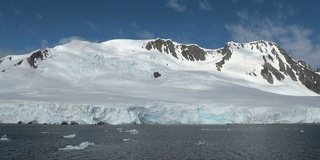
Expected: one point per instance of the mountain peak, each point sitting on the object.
(260, 62)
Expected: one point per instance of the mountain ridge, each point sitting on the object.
(157, 82)
(257, 59)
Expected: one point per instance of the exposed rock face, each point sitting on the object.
(226, 52)
(277, 65)
(159, 44)
(19, 63)
(189, 52)
(156, 74)
(268, 68)
(318, 69)
(304, 63)
(37, 55)
(303, 72)
(266, 74)
(193, 53)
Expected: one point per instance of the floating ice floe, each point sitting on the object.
(126, 140)
(206, 129)
(44, 132)
(83, 145)
(4, 138)
(301, 131)
(133, 131)
(119, 129)
(70, 136)
(201, 143)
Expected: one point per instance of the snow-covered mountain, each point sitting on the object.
(158, 81)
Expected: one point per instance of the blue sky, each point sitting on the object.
(293, 24)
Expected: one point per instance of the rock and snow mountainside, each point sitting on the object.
(158, 82)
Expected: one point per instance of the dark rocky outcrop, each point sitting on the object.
(193, 53)
(158, 44)
(271, 69)
(189, 52)
(74, 123)
(318, 69)
(37, 55)
(270, 57)
(303, 72)
(19, 63)
(33, 122)
(102, 123)
(266, 74)
(305, 64)
(226, 52)
(156, 74)
(64, 123)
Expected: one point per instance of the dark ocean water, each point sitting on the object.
(162, 142)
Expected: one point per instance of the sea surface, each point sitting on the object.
(140, 142)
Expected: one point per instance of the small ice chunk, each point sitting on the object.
(4, 138)
(201, 143)
(301, 131)
(44, 132)
(83, 145)
(119, 129)
(133, 131)
(126, 140)
(70, 136)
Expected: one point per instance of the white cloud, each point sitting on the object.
(205, 5)
(16, 12)
(175, 5)
(285, 11)
(145, 34)
(92, 25)
(28, 30)
(4, 52)
(44, 43)
(295, 39)
(243, 14)
(258, 1)
(39, 16)
(135, 25)
(69, 39)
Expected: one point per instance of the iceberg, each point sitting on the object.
(83, 145)
(201, 143)
(126, 140)
(133, 131)
(4, 138)
(69, 136)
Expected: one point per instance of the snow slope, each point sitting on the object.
(113, 82)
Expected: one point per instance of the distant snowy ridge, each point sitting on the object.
(158, 82)
(257, 59)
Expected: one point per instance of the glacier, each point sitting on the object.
(112, 82)
(157, 113)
